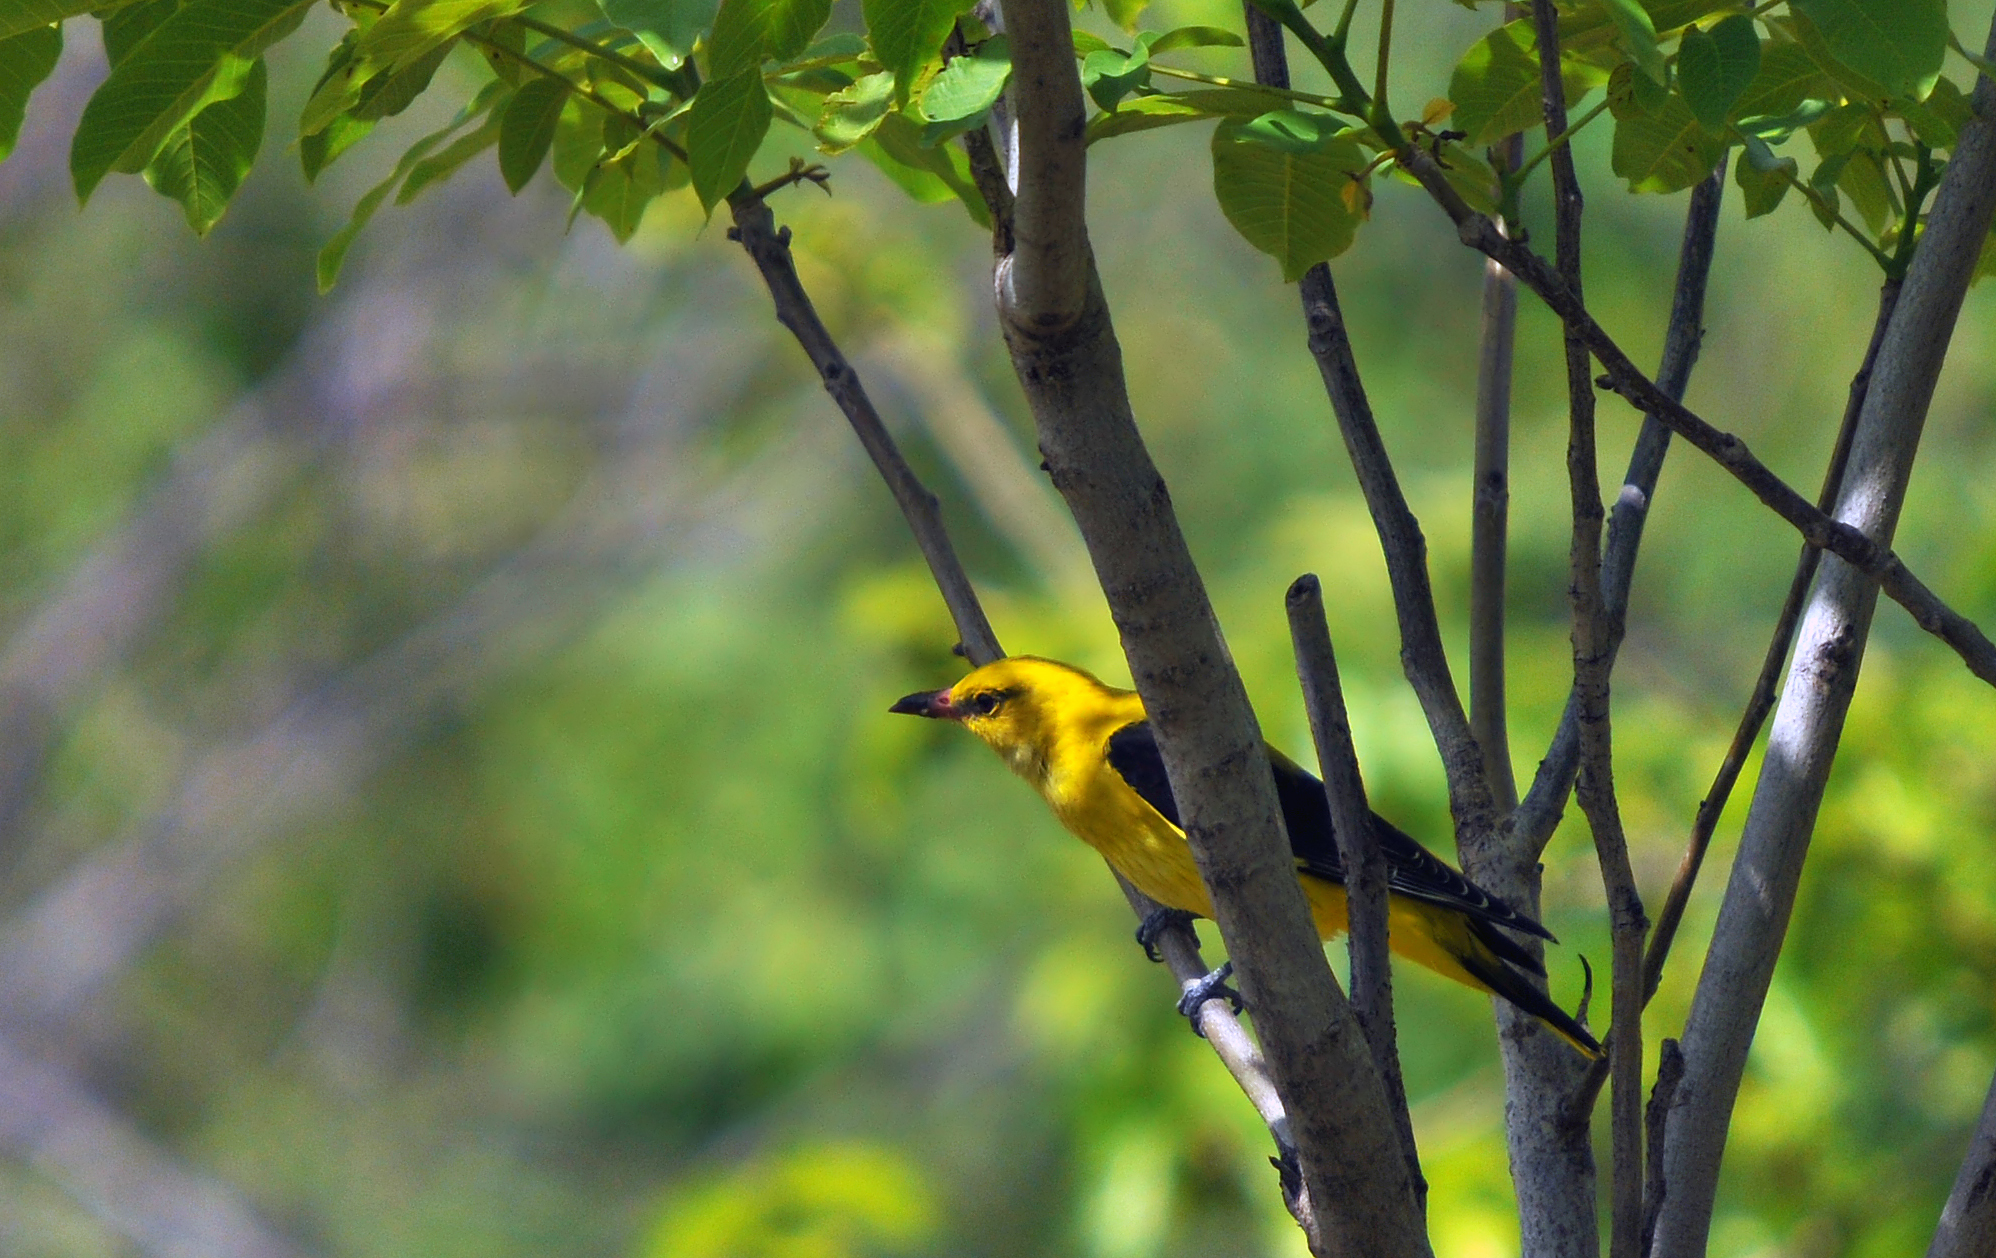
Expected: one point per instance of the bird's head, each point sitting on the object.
(1019, 705)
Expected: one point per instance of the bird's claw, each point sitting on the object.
(1155, 923)
(1212, 987)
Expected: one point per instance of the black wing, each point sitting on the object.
(1412, 870)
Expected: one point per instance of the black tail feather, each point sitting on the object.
(1522, 992)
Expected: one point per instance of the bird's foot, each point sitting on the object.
(1155, 923)
(1212, 987)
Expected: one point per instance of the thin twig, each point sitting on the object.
(1593, 658)
(1762, 700)
(1876, 561)
(1358, 851)
(1539, 814)
(769, 248)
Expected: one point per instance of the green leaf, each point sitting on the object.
(1864, 180)
(386, 95)
(1146, 113)
(410, 29)
(1787, 77)
(1897, 43)
(1291, 206)
(204, 162)
(750, 32)
(333, 256)
(961, 96)
(1664, 151)
(1777, 128)
(1291, 131)
(169, 77)
(25, 60)
(1109, 75)
(17, 17)
(669, 28)
(125, 28)
(1124, 13)
(1715, 67)
(1638, 36)
(908, 34)
(619, 191)
(323, 147)
(899, 140)
(852, 114)
(578, 142)
(1085, 43)
(1938, 120)
(729, 118)
(526, 130)
(1762, 187)
(1495, 88)
(1194, 37)
(440, 166)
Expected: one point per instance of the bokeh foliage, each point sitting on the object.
(661, 937)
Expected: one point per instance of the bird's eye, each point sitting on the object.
(983, 704)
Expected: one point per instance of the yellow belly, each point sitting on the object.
(1154, 856)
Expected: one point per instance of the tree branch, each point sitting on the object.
(1179, 945)
(1762, 700)
(1489, 516)
(1809, 721)
(1070, 366)
(769, 248)
(1593, 660)
(1968, 1221)
(1552, 1159)
(1358, 851)
(1866, 555)
(1538, 816)
(51, 1121)
(1043, 281)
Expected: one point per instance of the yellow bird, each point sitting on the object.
(1089, 751)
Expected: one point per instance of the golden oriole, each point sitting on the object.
(1089, 751)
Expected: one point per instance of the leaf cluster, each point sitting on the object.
(624, 101)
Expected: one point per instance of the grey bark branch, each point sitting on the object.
(1065, 354)
(1044, 283)
(1761, 702)
(1490, 518)
(1968, 1220)
(1802, 741)
(1552, 1158)
(167, 1209)
(1358, 851)
(1593, 662)
(1538, 815)
(1865, 554)
(1179, 945)
(755, 228)
(1490, 504)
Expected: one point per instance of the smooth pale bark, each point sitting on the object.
(1968, 1221)
(1803, 740)
(1065, 354)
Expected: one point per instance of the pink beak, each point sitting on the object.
(933, 704)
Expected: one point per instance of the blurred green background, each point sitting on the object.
(447, 799)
